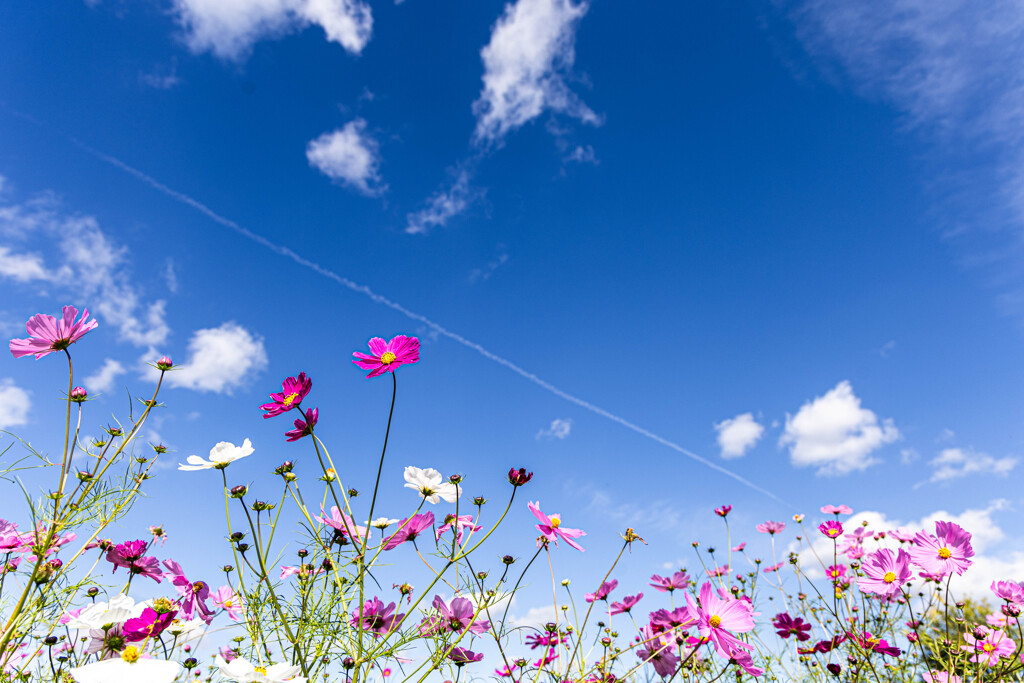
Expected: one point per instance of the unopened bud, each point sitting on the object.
(479, 500)
(84, 475)
(508, 559)
(239, 491)
(79, 394)
(164, 364)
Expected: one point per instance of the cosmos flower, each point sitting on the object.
(431, 485)
(461, 656)
(771, 528)
(130, 667)
(988, 649)
(602, 592)
(626, 605)
(293, 390)
(227, 599)
(47, 334)
(948, 551)
(149, 624)
(221, 455)
(718, 618)
(941, 677)
(463, 522)
(659, 652)
(885, 574)
(244, 671)
(787, 626)
(121, 608)
(377, 618)
(837, 510)
(344, 524)
(551, 527)
(193, 593)
(388, 356)
(304, 427)
(1011, 591)
(459, 615)
(723, 510)
(409, 529)
(678, 581)
(831, 528)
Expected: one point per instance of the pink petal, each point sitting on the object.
(378, 346)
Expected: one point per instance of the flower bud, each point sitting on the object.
(455, 479)
(284, 467)
(834, 669)
(302, 552)
(237, 536)
(1011, 610)
(227, 569)
(93, 592)
(479, 500)
(79, 394)
(242, 547)
(114, 431)
(50, 641)
(481, 575)
(164, 364)
(84, 475)
(348, 663)
(239, 491)
(519, 477)
(508, 559)
(159, 449)
(190, 663)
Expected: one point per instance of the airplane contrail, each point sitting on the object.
(383, 300)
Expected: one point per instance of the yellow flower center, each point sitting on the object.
(228, 604)
(889, 577)
(944, 553)
(555, 522)
(988, 647)
(833, 532)
(387, 358)
(290, 398)
(715, 621)
(198, 586)
(261, 669)
(130, 654)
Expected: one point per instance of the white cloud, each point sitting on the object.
(220, 359)
(350, 156)
(442, 207)
(531, 49)
(535, 617)
(161, 77)
(91, 266)
(171, 277)
(953, 463)
(583, 155)
(229, 28)
(738, 435)
(14, 404)
(104, 378)
(834, 434)
(559, 429)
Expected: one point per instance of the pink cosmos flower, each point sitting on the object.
(740, 547)
(902, 535)
(745, 661)
(47, 334)
(831, 528)
(551, 527)
(664, 620)
(461, 656)
(228, 600)
(680, 580)
(941, 677)
(458, 616)
(837, 510)
(303, 571)
(409, 529)
(787, 626)
(626, 605)
(718, 571)
(771, 528)
(293, 390)
(377, 619)
(1011, 591)
(885, 574)
(948, 551)
(388, 356)
(545, 640)
(717, 618)
(193, 593)
(463, 522)
(344, 524)
(131, 555)
(149, 624)
(659, 651)
(723, 511)
(871, 644)
(228, 654)
(303, 427)
(602, 593)
(991, 647)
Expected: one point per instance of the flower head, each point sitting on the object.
(293, 390)
(626, 605)
(831, 528)
(519, 477)
(228, 600)
(787, 626)
(461, 656)
(149, 624)
(303, 427)
(376, 618)
(409, 529)
(602, 592)
(771, 528)
(551, 529)
(948, 551)
(837, 510)
(130, 667)
(221, 455)
(431, 485)
(723, 511)
(47, 334)
(719, 618)
(885, 574)
(990, 646)
(243, 670)
(388, 356)
(678, 581)
(1011, 591)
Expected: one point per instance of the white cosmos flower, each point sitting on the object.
(382, 522)
(431, 485)
(186, 630)
(243, 671)
(221, 455)
(120, 609)
(128, 668)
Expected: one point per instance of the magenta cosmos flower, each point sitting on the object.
(551, 527)
(603, 592)
(948, 551)
(388, 356)
(409, 529)
(458, 616)
(1011, 591)
(47, 334)
(303, 427)
(461, 656)
(717, 618)
(293, 390)
(627, 604)
(723, 510)
(885, 574)
(831, 528)
(377, 618)
(666, 584)
(193, 593)
(149, 624)
(787, 626)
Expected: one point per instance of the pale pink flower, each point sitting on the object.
(47, 334)
(948, 551)
(551, 527)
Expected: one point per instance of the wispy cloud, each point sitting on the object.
(955, 463)
(103, 379)
(485, 273)
(230, 29)
(161, 77)
(412, 315)
(349, 156)
(560, 429)
(444, 205)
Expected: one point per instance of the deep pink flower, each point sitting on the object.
(149, 624)
(718, 618)
(602, 593)
(659, 651)
(459, 616)
(771, 528)
(551, 527)
(872, 644)
(948, 551)
(787, 626)
(409, 529)
(388, 356)
(745, 661)
(462, 656)
(837, 510)
(463, 522)
(1011, 591)
(545, 640)
(718, 571)
(773, 568)
(47, 334)
(626, 605)
(227, 599)
(377, 619)
(664, 620)
(991, 647)
(293, 390)
(723, 511)
(132, 556)
(229, 654)
(678, 581)
(885, 574)
(831, 528)
(902, 535)
(193, 593)
(303, 427)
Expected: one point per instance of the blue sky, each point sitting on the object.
(782, 236)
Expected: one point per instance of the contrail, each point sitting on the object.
(383, 300)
